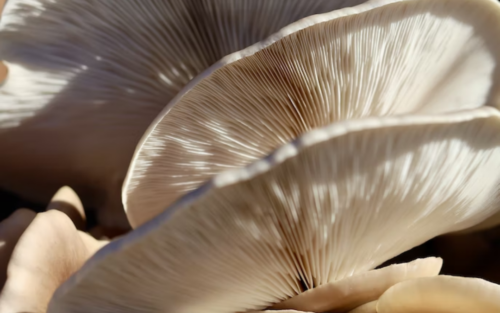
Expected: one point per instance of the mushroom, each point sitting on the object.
(348, 293)
(48, 251)
(335, 203)
(422, 57)
(87, 77)
(11, 230)
(443, 294)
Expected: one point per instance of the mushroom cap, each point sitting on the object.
(48, 249)
(335, 203)
(87, 77)
(48, 252)
(443, 294)
(425, 56)
(11, 230)
(351, 292)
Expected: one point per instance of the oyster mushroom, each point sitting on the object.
(11, 230)
(87, 77)
(443, 294)
(388, 57)
(335, 203)
(348, 293)
(48, 251)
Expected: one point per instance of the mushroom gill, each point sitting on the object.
(335, 203)
(87, 77)
(388, 57)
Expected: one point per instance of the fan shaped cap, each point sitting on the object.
(11, 230)
(381, 58)
(335, 203)
(87, 77)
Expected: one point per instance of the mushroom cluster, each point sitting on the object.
(40, 251)
(294, 146)
(87, 77)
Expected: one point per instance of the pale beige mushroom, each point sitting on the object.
(387, 57)
(441, 294)
(87, 77)
(335, 203)
(11, 230)
(351, 292)
(48, 251)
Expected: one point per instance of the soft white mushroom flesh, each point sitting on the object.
(441, 294)
(87, 77)
(381, 58)
(335, 203)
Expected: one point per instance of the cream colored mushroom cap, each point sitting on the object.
(377, 59)
(11, 229)
(47, 253)
(43, 250)
(335, 203)
(441, 294)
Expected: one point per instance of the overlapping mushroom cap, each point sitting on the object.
(333, 204)
(43, 250)
(322, 211)
(86, 78)
(442, 294)
(381, 58)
